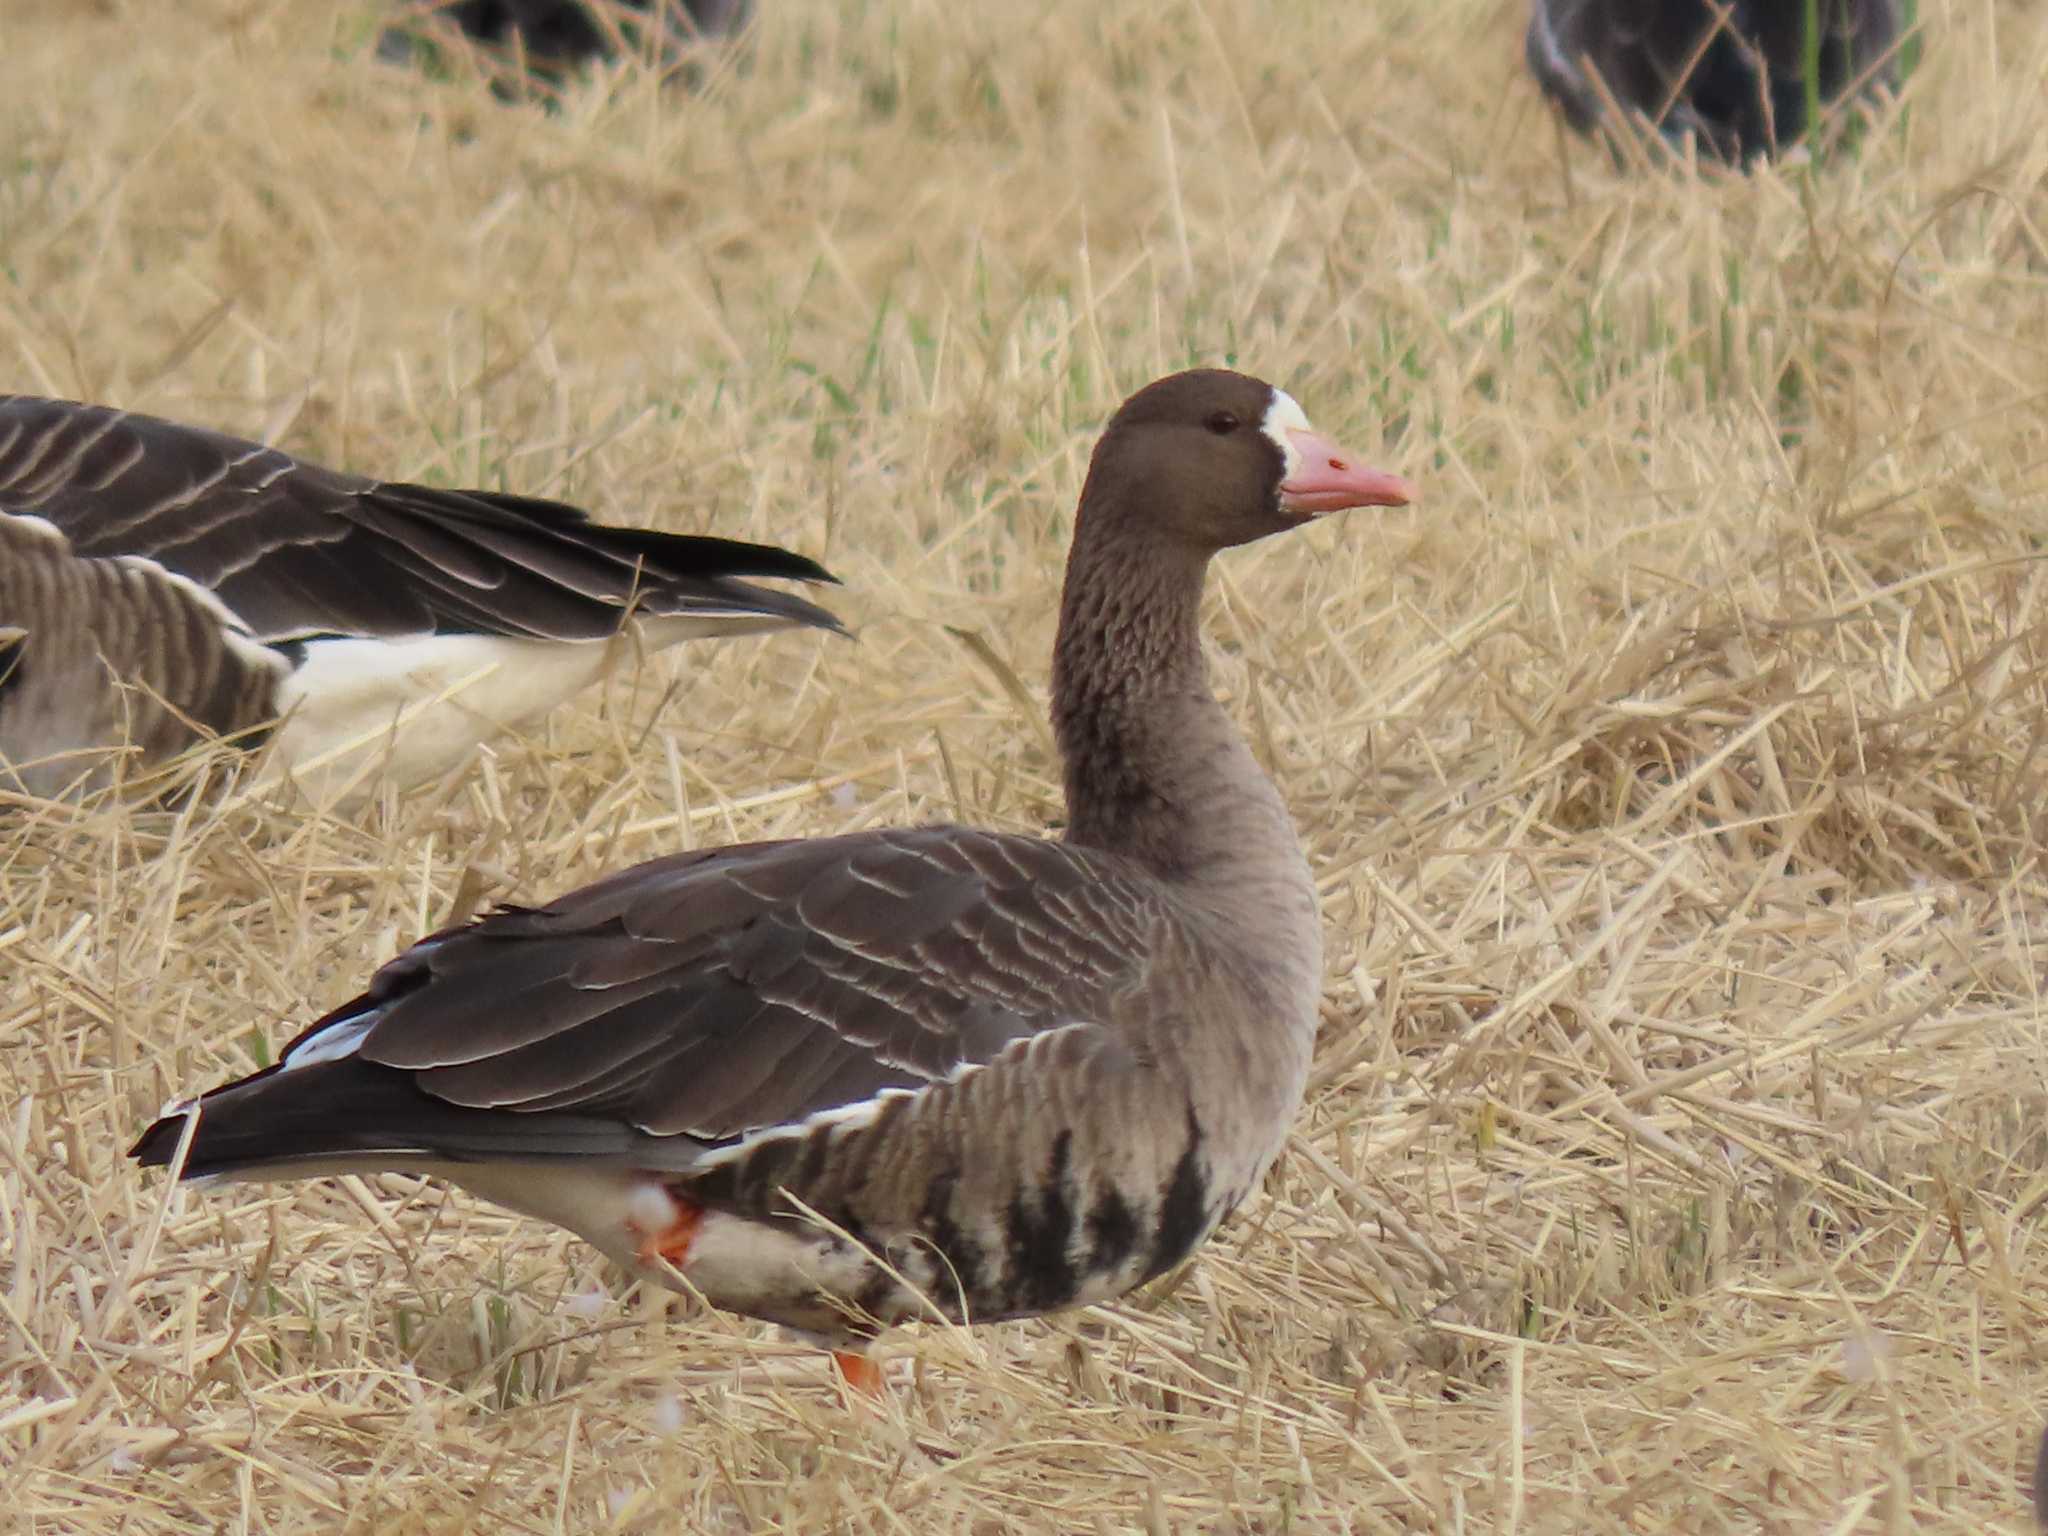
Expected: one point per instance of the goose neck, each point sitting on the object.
(1155, 770)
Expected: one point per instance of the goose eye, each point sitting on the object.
(1221, 423)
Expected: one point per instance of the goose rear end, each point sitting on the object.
(167, 585)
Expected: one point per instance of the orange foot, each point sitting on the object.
(663, 1224)
(861, 1373)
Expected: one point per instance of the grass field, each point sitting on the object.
(1675, 1158)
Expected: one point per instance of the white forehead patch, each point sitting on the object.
(1284, 416)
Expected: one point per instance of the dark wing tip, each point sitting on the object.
(552, 567)
(724, 595)
(705, 555)
(770, 560)
(155, 1147)
(811, 615)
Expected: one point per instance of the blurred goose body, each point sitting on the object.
(846, 1082)
(550, 38)
(1738, 88)
(164, 584)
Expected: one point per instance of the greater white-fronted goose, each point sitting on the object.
(167, 583)
(846, 1082)
(1732, 75)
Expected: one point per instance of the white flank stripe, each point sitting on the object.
(861, 1112)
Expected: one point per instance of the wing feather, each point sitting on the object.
(299, 551)
(716, 995)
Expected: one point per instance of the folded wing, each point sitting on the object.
(694, 1000)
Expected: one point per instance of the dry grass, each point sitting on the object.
(1675, 1159)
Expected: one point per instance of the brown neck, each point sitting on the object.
(1155, 771)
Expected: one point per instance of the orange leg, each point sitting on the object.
(861, 1373)
(665, 1225)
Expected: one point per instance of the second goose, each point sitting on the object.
(161, 584)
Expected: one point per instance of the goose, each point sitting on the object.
(161, 584)
(551, 37)
(1729, 73)
(847, 1082)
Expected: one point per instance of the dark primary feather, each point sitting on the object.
(712, 994)
(298, 551)
(342, 1109)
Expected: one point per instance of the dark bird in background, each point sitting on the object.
(553, 38)
(1731, 75)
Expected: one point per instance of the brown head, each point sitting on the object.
(1192, 464)
(1208, 459)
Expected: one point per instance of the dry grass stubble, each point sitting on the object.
(1674, 1158)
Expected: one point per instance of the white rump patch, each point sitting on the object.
(1285, 416)
(422, 705)
(600, 1204)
